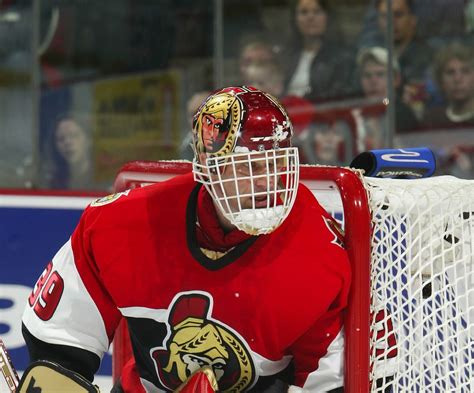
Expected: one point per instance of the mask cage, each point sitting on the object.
(255, 191)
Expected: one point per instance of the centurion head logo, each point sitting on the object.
(195, 340)
(217, 123)
(238, 120)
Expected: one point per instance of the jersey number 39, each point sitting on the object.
(46, 293)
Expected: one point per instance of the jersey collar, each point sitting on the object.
(208, 234)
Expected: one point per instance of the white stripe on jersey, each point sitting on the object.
(149, 387)
(158, 315)
(264, 366)
(76, 321)
(330, 372)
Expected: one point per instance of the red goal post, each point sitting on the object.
(327, 183)
(410, 321)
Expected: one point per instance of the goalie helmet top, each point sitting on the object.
(240, 119)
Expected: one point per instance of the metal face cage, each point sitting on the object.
(255, 191)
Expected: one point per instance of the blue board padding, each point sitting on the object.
(29, 238)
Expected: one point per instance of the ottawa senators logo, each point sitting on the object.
(217, 124)
(195, 340)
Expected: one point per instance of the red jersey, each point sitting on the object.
(272, 302)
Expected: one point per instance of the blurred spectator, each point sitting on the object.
(317, 65)
(449, 128)
(254, 51)
(69, 165)
(328, 139)
(265, 76)
(459, 163)
(453, 70)
(301, 112)
(328, 144)
(412, 51)
(260, 67)
(373, 68)
(437, 21)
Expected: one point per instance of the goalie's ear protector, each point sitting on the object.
(44, 376)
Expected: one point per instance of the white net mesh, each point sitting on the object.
(422, 285)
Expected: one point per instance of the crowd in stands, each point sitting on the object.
(430, 71)
(346, 90)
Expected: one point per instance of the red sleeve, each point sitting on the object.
(90, 273)
(318, 354)
(69, 306)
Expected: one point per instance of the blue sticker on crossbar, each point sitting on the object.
(408, 163)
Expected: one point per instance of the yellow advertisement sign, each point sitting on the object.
(135, 118)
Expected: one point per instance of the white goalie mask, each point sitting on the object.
(243, 156)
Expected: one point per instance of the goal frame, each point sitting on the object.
(358, 232)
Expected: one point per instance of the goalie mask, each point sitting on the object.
(243, 156)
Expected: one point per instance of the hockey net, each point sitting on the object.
(422, 277)
(410, 322)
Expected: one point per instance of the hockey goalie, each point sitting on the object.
(234, 268)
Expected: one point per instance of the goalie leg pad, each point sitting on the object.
(47, 377)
